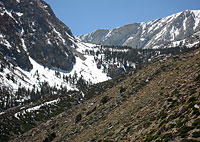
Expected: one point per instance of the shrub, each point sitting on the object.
(192, 99)
(122, 90)
(78, 118)
(179, 124)
(196, 123)
(167, 137)
(52, 136)
(163, 115)
(104, 99)
(151, 137)
(196, 134)
(184, 130)
(197, 78)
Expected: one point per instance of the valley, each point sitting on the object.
(138, 82)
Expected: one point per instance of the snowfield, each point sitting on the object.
(87, 69)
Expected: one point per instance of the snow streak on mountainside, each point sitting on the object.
(148, 34)
(190, 41)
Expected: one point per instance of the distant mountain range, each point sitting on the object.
(150, 34)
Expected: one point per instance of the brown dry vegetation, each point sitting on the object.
(160, 102)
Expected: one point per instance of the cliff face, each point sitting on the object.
(30, 28)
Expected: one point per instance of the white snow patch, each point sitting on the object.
(36, 108)
(197, 18)
(19, 13)
(142, 39)
(59, 35)
(88, 69)
(129, 39)
(174, 33)
(196, 106)
(46, 103)
(110, 33)
(4, 41)
(82, 94)
(2, 113)
(23, 44)
(192, 44)
(184, 23)
(46, 75)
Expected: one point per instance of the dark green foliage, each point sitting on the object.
(179, 124)
(174, 116)
(196, 111)
(196, 123)
(81, 83)
(189, 140)
(147, 124)
(4, 138)
(163, 115)
(28, 127)
(167, 137)
(52, 136)
(192, 99)
(197, 78)
(183, 132)
(46, 140)
(196, 134)
(78, 118)
(89, 112)
(105, 99)
(162, 122)
(175, 92)
(122, 90)
(172, 126)
(173, 103)
(150, 137)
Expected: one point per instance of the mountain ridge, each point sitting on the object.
(148, 34)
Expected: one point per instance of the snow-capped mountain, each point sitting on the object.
(36, 47)
(150, 34)
(38, 53)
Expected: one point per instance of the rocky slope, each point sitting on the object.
(160, 102)
(34, 44)
(150, 34)
(30, 28)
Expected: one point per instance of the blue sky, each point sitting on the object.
(84, 16)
